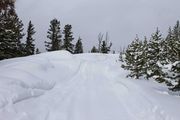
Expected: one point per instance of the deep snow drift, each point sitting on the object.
(61, 86)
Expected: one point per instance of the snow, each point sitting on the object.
(62, 86)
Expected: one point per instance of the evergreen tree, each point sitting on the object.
(54, 34)
(167, 47)
(37, 51)
(11, 33)
(171, 45)
(78, 47)
(144, 57)
(30, 46)
(134, 59)
(174, 58)
(176, 43)
(154, 54)
(176, 75)
(68, 38)
(94, 50)
(7, 5)
(105, 48)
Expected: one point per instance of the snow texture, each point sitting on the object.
(62, 86)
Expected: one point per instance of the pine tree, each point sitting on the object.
(176, 43)
(16, 36)
(54, 34)
(154, 54)
(78, 47)
(94, 50)
(11, 33)
(68, 38)
(30, 46)
(134, 59)
(167, 47)
(7, 5)
(37, 51)
(174, 58)
(105, 48)
(144, 57)
(176, 75)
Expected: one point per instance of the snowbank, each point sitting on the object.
(62, 86)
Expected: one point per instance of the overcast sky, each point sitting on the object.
(122, 19)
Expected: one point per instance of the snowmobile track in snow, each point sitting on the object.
(77, 87)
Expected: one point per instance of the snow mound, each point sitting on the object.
(61, 86)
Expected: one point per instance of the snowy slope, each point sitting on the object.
(61, 86)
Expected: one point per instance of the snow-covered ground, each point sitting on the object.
(61, 86)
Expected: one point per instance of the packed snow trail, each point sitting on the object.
(61, 86)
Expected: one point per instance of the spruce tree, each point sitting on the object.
(7, 5)
(176, 75)
(134, 59)
(174, 52)
(37, 51)
(94, 50)
(78, 47)
(105, 48)
(154, 54)
(30, 46)
(144, 57)
(54, 35)
(11, 33)
(176, 43)
(68, 38)
(17, 35)
(167, 47)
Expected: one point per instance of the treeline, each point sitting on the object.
(12, 34)
(157, 57)
(58, 42)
